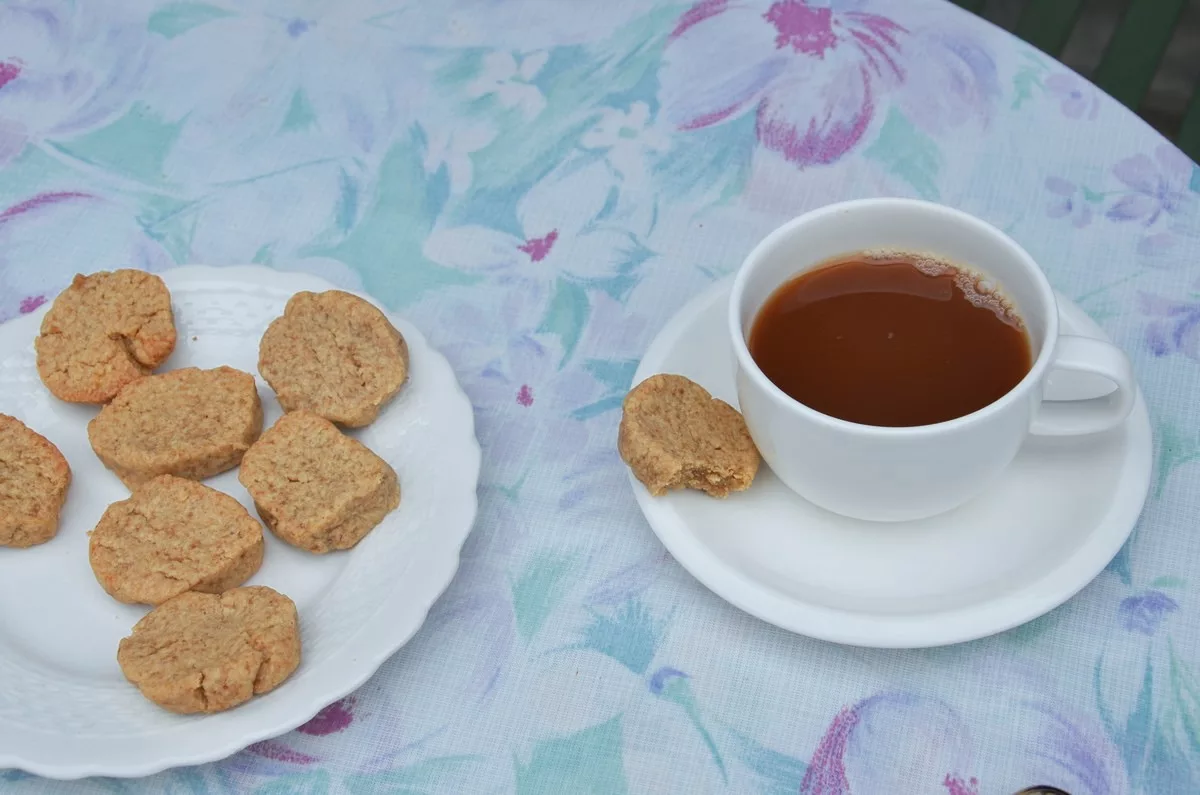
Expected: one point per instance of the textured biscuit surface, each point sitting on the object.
(674, 434)
(103, 332)
(34, 477)
(171, 536)
(335, 355)
(315, 487)
(190, 423)
(207, 653)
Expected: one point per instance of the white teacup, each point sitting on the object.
(897, 474)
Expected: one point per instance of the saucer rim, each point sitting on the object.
(1005, 611)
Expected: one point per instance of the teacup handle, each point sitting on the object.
(1090, 415)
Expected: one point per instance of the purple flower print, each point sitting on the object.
(42, 235)
(1069, 201)
(524, 404)
(815, 70)
(1144, 612)
(1078, 99)
(332, 719)
(65, 68)
(903, 742)
(1159, 196)
(31, 303)
(561, 233)
(926, 745)
(1175, 327)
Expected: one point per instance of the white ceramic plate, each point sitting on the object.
(65, 709)
(1056, 518)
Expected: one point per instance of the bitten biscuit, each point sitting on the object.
(335, 355)
(674, 435)
(103, 332)
(208, 653)
(315, 487)
(190, 423)
(171, 536)
(34, 478)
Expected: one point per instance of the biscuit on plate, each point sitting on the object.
(335, 355)
(204, 652)
(190, 423)
(315, 487)
(674, 435)
(34, 477)
(171, 536)
(103, 332)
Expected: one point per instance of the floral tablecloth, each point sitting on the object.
(539, 185)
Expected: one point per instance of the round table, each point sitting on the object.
(539, 185)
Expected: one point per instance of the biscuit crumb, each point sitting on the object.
(674, 435)
(34, 477)
(103, 332)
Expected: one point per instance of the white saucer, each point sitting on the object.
(1054, 521)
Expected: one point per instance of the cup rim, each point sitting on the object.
(950, 215)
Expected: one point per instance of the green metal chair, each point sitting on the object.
(1131, 58)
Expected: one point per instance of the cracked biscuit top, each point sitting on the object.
(335, 355)
(103, 332)
(171, 536)
(207, 653)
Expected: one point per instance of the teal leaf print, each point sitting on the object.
(1168, 581)
(590, 762)
(171, 223)
(1026, 79)
(538, 591)
(630, 636)
(385, 248)
(1174, 449)
(133, 146)
(315, 783)
(776, 773)
(617, 375)
(712, 158)
(347, 207)
(907, 153)
(1120, 564)
(1136, 737)
(566, 315)
(300, 114)
(1194, 185)
(671, 684)
(421, 778)
(601, 406)
(175, 19)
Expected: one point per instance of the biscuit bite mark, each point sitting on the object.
(674, 435)
(315, 487)
(208, 653)
(174, 535)
(335, 355)
(190, 423)
(34, 477)
(103, 332)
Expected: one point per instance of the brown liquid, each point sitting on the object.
(890, 339)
